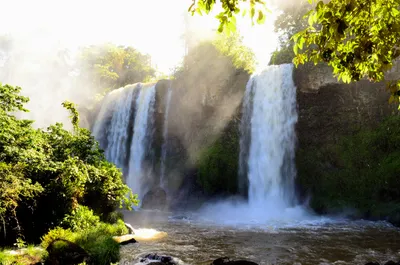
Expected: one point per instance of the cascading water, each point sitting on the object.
(122, 128)
(111, 127)
(136, 178)
(271, 155)
(164, 147)
(266, 161)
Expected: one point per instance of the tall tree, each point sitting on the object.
(255, 9)
(109, 66)
(358, 39)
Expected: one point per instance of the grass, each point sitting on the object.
(22, 256)
(97, 241)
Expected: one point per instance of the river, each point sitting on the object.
(321, 240)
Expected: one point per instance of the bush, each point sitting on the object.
(29, 255)
(97, 241)
(46, 174)
(81, 218)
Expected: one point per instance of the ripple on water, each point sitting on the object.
(320, 241)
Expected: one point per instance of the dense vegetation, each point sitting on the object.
(225, 50)
(287, 24)
(358, 174)
(108, 66)
(216, 72)
(356, 38)
(218, 164)
(47, 176)
(255, 9)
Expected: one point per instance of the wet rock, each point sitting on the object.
(64, 252)
(125, 239)
(372, 263)
(155, 199)
(228, 261)
(391, 262)
(155, 259)
(130, 228)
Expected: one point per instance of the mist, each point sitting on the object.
(46, 35)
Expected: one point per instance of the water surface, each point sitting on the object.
(318, 241)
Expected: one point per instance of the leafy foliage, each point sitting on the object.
(29, 255)
(359, 172)
(218, 163)
(230, 8)
(224, 52)
(232, 46)
(357, 38)
(287, 24)
(96, 240)
(43, 169)
(81, 218)
(109, 66)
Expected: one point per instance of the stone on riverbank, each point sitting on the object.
(228, 261)
(125, 239)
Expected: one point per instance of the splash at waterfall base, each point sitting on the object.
(269, 118)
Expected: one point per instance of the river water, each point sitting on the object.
(194, 240)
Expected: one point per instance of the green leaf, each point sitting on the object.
(261, 17)
(394, 12)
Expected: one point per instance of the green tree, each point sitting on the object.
(287, 24)
(46, 174)
(356, 38)
(109, 66)
(255, 9)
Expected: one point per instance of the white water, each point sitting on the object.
(136, 178)
(270, 104)
(272, 139)
(164, 147)
(112, 129)
(117, 137)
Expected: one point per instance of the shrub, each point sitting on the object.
(97, 241)
(81, 218)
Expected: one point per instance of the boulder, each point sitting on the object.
(228, 261)
(155, 259)
(125, 239)
(155, 199)
(64, 252)
(130, 228)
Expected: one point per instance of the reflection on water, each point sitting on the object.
(322, 241)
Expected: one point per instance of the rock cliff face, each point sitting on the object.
(202, 139)
(329, 110)
(204, 108)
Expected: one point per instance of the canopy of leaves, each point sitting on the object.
(357, 38)
(287, 24)
(232, 46)
(255, 9)
(46, 174)
(109, 66)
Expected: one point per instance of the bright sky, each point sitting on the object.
(152, 26)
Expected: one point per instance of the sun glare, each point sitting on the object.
(155, 27)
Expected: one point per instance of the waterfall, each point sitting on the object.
(137, 175)
(245, 139)
(123, 129)
(271, 100)
(164, 146)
